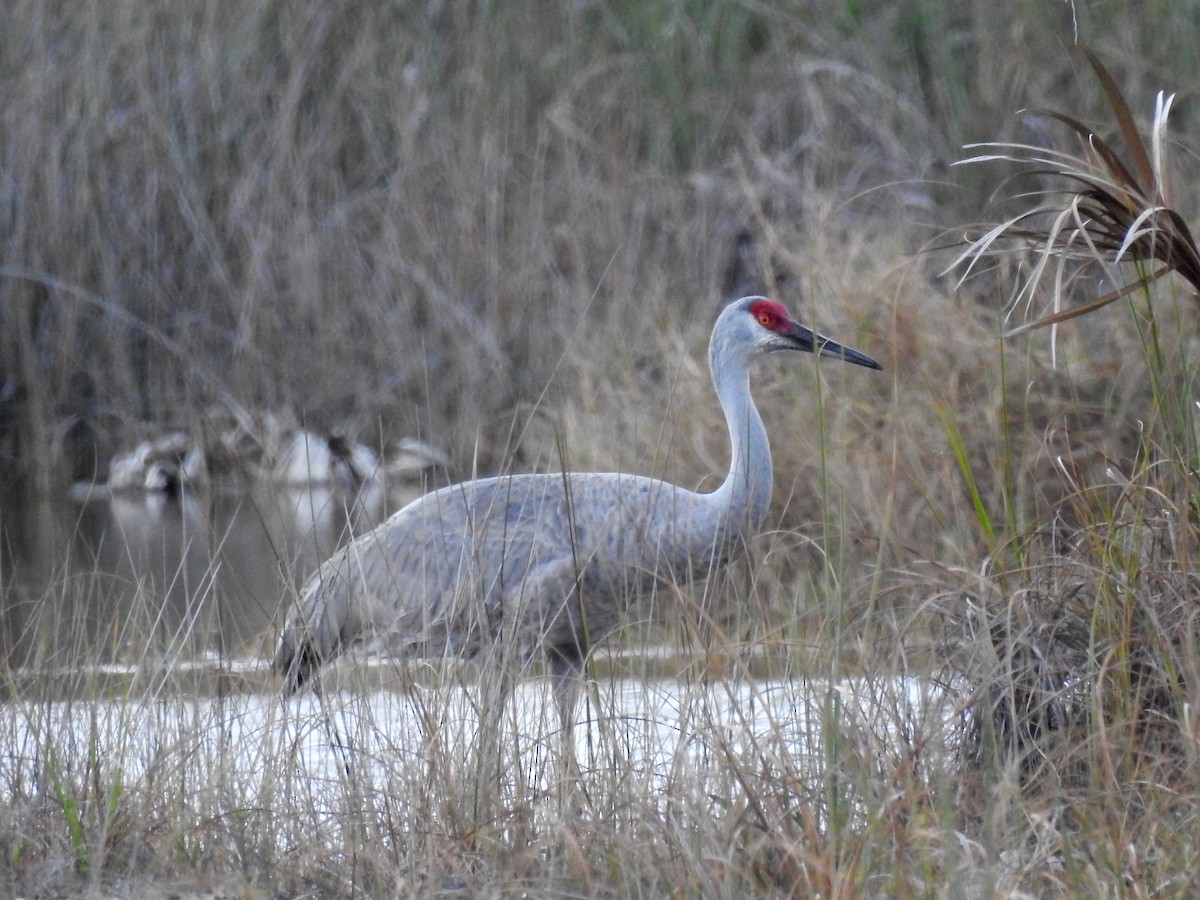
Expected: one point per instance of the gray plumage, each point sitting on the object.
(517, 567)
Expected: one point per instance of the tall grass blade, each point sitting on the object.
(958, 450)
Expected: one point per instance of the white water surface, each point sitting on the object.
(657, 736)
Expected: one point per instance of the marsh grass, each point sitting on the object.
(1074, 657)
(714, 783)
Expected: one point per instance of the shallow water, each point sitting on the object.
(656, 732)
(119, 577)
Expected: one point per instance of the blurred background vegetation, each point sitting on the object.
(497, 227)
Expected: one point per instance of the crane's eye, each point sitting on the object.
(766, 320)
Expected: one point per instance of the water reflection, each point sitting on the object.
(129, 576)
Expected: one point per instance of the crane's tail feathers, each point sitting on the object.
(297, 660)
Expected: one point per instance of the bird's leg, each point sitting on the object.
(566, 674)
(496, 681)
(342, 748)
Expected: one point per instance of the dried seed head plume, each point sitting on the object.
(1098, 211)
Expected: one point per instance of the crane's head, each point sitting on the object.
(768, 327)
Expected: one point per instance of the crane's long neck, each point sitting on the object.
(740, 503)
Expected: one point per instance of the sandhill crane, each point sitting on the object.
(517, 567)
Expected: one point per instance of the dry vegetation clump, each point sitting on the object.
(1075, 656)
(1090, 621)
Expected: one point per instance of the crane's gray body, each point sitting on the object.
(521, 565)
(537, 562)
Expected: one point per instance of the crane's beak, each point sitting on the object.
(808, 341)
